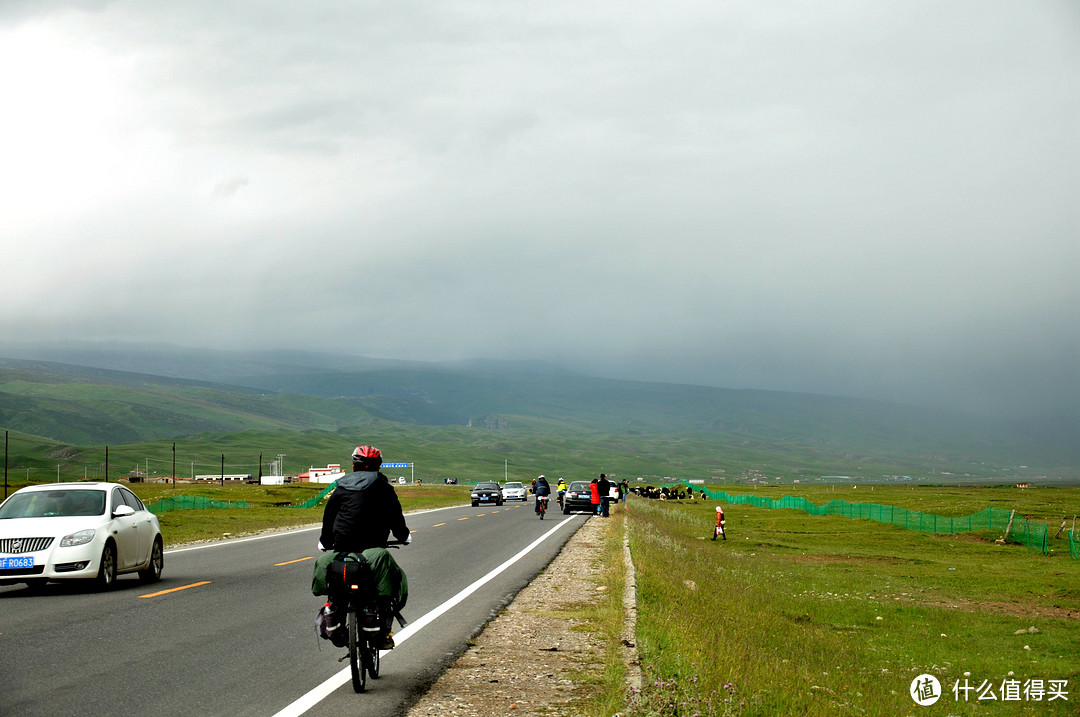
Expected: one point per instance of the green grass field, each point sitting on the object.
(794, 613)
(797, 614)
(269, 507)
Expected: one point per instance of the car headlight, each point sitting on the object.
(80, 538)
(475, 495)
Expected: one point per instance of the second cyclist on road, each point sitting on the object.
(543, 490)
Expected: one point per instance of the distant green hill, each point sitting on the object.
(494, 411)
(446, 397)
(85, 406)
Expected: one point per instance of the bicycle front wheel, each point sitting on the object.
(371, 656)
(356, 661)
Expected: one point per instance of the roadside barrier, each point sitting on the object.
(1020, 529)
(312, 502)
(198, 502)
(1074, 547)
(191, 502)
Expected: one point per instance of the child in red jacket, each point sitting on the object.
(719, 529)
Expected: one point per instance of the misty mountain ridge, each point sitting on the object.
(178, 393)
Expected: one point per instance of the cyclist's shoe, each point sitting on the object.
(388, 642)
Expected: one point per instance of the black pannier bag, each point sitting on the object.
(349, 573)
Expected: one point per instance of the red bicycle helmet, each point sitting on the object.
(363, 454)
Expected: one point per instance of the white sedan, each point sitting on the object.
(65, 531)
(514, 491)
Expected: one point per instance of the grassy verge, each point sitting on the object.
(605, 617)
(797, 614)
(268, 507)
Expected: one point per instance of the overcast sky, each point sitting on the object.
(871, 199)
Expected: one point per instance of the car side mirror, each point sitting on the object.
(122, 510)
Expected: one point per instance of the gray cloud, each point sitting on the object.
(841, 198)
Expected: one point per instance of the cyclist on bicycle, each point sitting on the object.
(363, 509)
(362, 512)
(543, 490)
(560, 488)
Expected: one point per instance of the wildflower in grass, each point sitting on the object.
(673, 697)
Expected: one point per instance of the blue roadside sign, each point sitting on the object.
(395, 465)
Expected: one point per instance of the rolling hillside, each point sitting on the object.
(84, 406)
(535, 408)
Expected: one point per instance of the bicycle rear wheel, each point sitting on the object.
(356, 647)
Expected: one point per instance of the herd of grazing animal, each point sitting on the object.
(666, 493)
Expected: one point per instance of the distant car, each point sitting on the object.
(578, 497)
(515, 491)
(72, 531)
(487, 493)
(450, 481)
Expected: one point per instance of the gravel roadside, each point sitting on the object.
(532, 659)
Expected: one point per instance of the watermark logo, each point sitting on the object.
(925, 690)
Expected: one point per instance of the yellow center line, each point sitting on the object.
(185, 587)
(437, 525)
(290, 562)
(465, 518)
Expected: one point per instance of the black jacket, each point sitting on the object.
(361, 512)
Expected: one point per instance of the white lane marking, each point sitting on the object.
(321, 692)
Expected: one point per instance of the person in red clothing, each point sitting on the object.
(719, 529)
(594, 496)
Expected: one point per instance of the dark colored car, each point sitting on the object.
(578, 497)
(487, 493)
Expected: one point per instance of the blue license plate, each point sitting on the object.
(483, 497)
(17, 563)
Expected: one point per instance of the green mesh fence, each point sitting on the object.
(1022, 530)
(1074, 547)
(196, 502)
(312, 502)
(192, 502)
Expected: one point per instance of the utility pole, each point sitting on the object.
(5, 464)
(260, 469)
(106, 464)
(174, 464)
(222, 470)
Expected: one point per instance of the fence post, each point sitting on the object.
(1060, 529)
(1009, 526)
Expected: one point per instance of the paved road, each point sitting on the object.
(230, 628)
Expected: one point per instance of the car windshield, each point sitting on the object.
(54, 503)
(513, 485)
(579, 485)
(487, 486)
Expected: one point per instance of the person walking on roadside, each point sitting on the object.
(594, 496)
(603, 487)
(719, 529)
